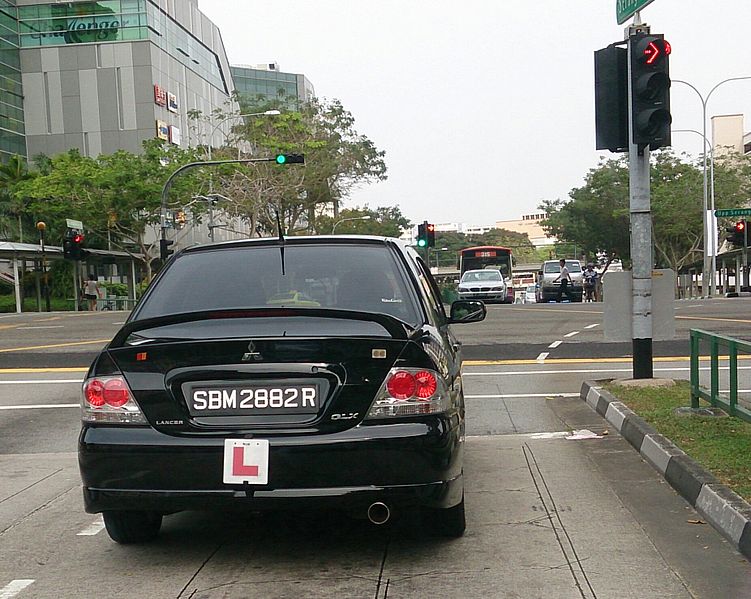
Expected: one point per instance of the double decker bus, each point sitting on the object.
(489, 257)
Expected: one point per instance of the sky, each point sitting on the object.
(484, 107)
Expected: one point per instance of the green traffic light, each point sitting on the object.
(281, 159)
(422, 243)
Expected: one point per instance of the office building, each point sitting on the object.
(267, 82)
(104, 76)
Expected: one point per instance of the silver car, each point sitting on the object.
(486, 285)
(549, 286)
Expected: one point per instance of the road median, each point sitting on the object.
(706, 459)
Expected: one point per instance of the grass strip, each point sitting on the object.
(722, 445)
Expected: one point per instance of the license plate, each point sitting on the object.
(254, 399)
(246, 461)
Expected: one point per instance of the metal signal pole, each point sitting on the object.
(641, 236)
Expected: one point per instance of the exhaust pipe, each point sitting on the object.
(379, 513)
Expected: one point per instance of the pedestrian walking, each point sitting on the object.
(565, 279)
(91, 292)
(590, 283)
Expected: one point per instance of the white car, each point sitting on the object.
(530, 294)
(486, 285)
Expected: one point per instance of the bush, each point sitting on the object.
(114, 288)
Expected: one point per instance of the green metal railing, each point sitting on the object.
(713, 396)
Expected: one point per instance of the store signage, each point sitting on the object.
(79, 30)
(160, 96)
(172, 102)
(174, 135)
(162, 130)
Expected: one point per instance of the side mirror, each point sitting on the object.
(463, 311)
(456, 281)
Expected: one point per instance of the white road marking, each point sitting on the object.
(542, 356)
(92, 529)
(543, 436)
(40, 406)
(14, 587)
(555, 344)
(571, 334)
(123, 322)
(52, 326)
(518, 395)
(591, 370)
(43, 382)
(592, 326)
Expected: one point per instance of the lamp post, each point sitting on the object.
(704, 100)
(237, 116)
(709, 216)
(366, 217)
(42, 227)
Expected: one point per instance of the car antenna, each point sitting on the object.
(281, 238)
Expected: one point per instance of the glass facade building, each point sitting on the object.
(117, 21)
(271, 84)
(12, 140)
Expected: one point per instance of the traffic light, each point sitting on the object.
(180, 219)
(611, 99)
(430, 231)
(290, 158)
(422, 235)
(738, 233)
(73, 243)
(650, 90)
(164, 251)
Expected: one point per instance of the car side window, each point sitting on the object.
(431, 292)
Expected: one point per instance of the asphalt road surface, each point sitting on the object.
(547, 516)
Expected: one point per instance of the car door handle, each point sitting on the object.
(456, 346)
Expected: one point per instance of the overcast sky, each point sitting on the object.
(484, 107)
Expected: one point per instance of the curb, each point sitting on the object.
(725, 510)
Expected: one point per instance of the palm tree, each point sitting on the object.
(12, 172)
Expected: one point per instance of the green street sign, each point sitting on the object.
(733, 212)
(625, 9)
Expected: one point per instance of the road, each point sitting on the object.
(547, 516)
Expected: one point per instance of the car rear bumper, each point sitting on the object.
(137, 468)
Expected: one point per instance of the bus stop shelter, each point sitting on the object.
(20, 253)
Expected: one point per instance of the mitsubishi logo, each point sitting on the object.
(252, 354)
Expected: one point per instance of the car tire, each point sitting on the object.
(127, 527)
(447, 522)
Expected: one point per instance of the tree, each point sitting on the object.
(14, 218)
(521, 248)
(116, 196)
(385, 221)
(337, 158)
(596, 217)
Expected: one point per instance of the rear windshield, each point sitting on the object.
(572, 266)
(348, 277)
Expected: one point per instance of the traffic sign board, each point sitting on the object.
(625, 9)
(733, 212)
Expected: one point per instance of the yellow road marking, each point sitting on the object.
(70, 344)
(40, 370)
(555, 310)
(713, 318)
(624, 360)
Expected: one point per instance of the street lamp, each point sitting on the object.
(237, 116)
(709, 217)
(704, 100)
(366, 217)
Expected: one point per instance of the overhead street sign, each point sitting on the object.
(733, 212)
(625, 9)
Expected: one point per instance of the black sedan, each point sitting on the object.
(306, 372)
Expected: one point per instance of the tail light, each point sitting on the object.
(109, 399)
(410, 392)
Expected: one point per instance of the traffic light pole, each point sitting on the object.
(168, 184)
(641, 240)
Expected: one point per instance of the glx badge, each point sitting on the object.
(252, 354)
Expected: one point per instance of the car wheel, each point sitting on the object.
(448, 522)
(132, 527)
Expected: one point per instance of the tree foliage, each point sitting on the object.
(386, 221)
(596, 216)
(337, 159)
(522, 249)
